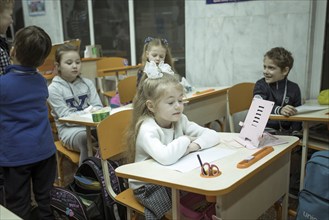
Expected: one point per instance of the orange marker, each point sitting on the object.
(203, 92)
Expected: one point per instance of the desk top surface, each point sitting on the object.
(316, 116)
(7, 214)
(108, 71)
(191, 181)
(204, 92)
(87, 120)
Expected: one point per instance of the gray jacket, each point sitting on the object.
(66, 99)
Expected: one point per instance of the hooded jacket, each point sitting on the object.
(66, 99)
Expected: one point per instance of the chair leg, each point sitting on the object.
(60, 175)
(278, 210)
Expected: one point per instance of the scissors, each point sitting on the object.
(208, 169)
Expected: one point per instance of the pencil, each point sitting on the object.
(203, 170)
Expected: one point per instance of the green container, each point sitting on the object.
(99, 116)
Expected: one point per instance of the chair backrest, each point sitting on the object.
(111, 134)
(127, 89)
(111, 62)
(239, 98)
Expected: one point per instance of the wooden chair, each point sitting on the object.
(127, 89)
(239, 98)
(111, 139)
(62, 151)
(109, 63)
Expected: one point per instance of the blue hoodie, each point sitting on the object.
(25, 132)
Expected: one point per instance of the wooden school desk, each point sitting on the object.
(306, 118)
(6, 214)
(240, 193)
(86, 120)
(206, 107)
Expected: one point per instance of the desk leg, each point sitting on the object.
(218, 206)
(175, 203)
(304, 154)
(89, 142)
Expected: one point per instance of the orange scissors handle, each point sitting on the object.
(211, 170)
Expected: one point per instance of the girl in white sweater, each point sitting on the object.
(161, 131)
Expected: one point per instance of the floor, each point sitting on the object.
(270, 214)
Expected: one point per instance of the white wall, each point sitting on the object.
(225, 43)
(51, 21)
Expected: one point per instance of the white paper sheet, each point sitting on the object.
(310, 108)
(190, 161)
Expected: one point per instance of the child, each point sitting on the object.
(161, 131)
(27, 150)
(276, 87)
(70, 94)
(285, 94)
(157, 50)
(6, 11)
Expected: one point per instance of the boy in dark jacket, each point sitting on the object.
(276, 87)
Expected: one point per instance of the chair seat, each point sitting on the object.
(72, 155)
(127, 198)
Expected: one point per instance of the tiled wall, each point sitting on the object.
(225, 43)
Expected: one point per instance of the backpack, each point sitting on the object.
(86, 197)
(314, 198)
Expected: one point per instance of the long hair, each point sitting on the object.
(148, 89)
(6, 4)
(151, 42)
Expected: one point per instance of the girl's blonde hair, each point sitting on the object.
(148, 89)
(6, 4)
(151, 42)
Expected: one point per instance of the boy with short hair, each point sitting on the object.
(286, 95)
(276, 87)
(27, 150)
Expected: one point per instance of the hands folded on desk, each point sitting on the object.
(192, 146)
(288, 110)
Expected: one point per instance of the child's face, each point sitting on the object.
(156, 54)
(5, 20)
(272, 72)
(69, 66)
(169, 109)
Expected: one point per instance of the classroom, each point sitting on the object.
(214, 44)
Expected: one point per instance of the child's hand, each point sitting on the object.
(288, 110)
(192, 147)
(192, 138)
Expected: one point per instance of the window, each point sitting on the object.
(161, 18)
(164, 19)
(76, 21)
(111, 27)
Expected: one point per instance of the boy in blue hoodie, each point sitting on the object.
(27, 150)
